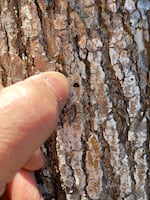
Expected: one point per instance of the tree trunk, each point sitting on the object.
(101, 147)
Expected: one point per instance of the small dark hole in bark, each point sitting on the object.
(76, 85)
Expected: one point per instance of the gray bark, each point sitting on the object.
(101, 147)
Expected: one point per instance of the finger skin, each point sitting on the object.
(29, 114)
(23, 187)
(35, 162)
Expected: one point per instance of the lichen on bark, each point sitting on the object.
(101, 147)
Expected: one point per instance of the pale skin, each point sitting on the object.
(29, 112)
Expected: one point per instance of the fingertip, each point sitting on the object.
(57, 82)
(23, 186)
(60, 85)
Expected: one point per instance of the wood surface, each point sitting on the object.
(100, 149)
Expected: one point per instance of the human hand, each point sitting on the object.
(29, 112)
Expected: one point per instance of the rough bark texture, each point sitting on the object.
(101, 147)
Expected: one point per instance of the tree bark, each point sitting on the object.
(101, 147)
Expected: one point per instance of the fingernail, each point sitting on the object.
(60, 85)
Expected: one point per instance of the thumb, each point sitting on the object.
(29, 112)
